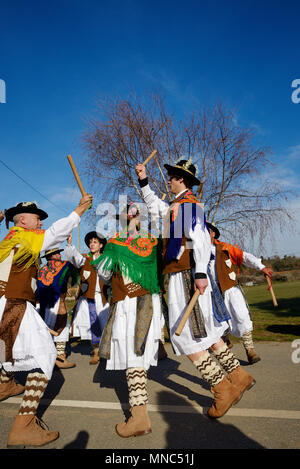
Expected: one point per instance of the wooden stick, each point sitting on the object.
(187, 312)
(53, 332)
(164, 196)
(149, 157)
(78, 180)
(271, 291)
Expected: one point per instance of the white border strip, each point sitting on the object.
(234, 412)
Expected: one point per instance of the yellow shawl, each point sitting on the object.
(28, 243)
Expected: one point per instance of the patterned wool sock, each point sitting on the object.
(248, 341)
(6, 376)
(35, 387)
(226, 358)
(60, 347)
(209, 369)
(137, 386)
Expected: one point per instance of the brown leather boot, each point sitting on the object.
(28, 430)
(241, 379)
(95, 358)
(252, 356)
(137, 425)
(225, 395)
(10, 388)
(62, 362)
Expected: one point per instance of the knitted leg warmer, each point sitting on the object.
(248, 341)
(35, 387)
(226, 358)
(137, 386)
(209, 369)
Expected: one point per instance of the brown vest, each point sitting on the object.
(91, 282)
(223, 270)
(186, 261)
(120, 290)
(20, 283)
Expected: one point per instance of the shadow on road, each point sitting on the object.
(80, 441)
(196, 431)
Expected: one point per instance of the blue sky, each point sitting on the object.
(57, 57)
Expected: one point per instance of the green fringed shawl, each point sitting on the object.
(136, 258)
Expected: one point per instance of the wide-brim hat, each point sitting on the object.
(52, 251)
(94, 234)
(25, 207)
(215, 229)
(185, 169)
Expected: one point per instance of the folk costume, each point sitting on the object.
(25, 341)
(225, 260)
(91, 312)
(131, 337)
(186, 256)
(52, 283)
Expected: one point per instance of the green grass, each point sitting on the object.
(271, 323)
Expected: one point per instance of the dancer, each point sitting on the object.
(186, 256)
(131, 337)
(92, 308)
(225, 258)
(51, 292)
(25, 341)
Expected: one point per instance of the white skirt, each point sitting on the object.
(81, 326)
(50, 320)
(33, 347)
(186, 344)
(240, 321)
(122, 355)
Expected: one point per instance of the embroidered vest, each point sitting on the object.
(121, 289)
(227, 277)
(88, 277)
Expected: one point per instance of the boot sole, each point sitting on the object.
(144, 432)
(23, 446)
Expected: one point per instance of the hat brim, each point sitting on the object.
(12, 212)
(182, 173)
(53, 251)
(215, 229)
(94, 234)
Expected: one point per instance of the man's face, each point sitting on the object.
(30, 221)
(212, 235)
(175, 184)
(95, 245)
(56, 257)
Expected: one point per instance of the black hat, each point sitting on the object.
(215, 229)
(51, 251)
(94, 234)
(185, 169)
(25, 207)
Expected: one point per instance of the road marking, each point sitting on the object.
(190, 409)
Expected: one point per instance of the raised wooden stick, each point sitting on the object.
(271, 291)
(149, 157)
(187, 312)
(78, 180)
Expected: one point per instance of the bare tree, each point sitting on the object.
(230, 163)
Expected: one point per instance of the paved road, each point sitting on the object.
(85, 403)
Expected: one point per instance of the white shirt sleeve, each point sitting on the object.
(251, 261)
(155, 205)
(72, 255)
(59, 231)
